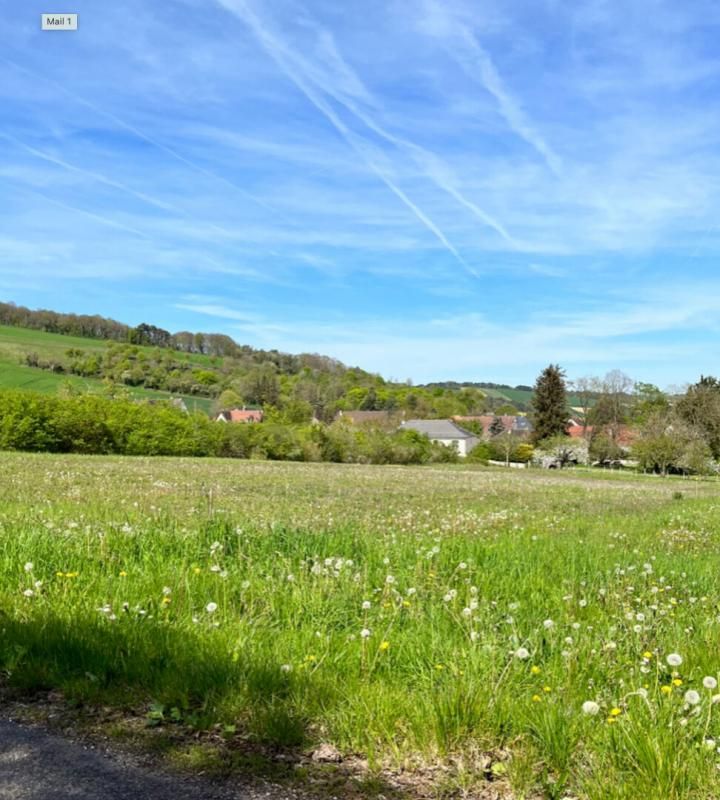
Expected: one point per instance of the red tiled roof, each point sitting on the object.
(625, 434)
(241, 415)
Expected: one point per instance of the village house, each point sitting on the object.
(625, 436)
(444, 431)
(240, 415)
(518, 424)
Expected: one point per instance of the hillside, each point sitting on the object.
(45, 350)
(295, 388)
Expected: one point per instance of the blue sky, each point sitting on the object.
(433, 189)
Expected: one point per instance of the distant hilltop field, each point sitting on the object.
(44, 351)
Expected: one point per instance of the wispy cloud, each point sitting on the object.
(447, 193)
(464, 46)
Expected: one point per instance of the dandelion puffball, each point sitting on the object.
(29, 566)
(211, 608)
(590, 707)
(364, 633)
(674, 660)
(709, 682)
(692, 698)
(522, 653)
(548, 624)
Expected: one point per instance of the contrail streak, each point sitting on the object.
(149, 139)
(279, 54)
(97, 217)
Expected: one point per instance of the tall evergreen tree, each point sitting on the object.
(549, 404)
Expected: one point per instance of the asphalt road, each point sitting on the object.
(38, 765)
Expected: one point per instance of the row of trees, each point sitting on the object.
(662, 433)
(88, 423)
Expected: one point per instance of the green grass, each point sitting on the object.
(15, 343)
(386, 610)
(19, 376)
(524, 397)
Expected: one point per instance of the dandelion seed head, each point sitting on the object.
(590, 707)
(692, 698)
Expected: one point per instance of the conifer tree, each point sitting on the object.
(549, 404)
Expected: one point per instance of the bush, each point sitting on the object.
(86, 423)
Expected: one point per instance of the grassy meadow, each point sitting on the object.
(556, 633)
(16, 343)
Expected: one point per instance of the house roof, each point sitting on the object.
(438, 428)
(241, 415)
(625, 435)
(518, 423)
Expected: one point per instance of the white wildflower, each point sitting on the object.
(590, 707)
(692, 698)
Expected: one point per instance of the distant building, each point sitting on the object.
(624, 435)
(520, 425)
(444, 431)
(240, 415)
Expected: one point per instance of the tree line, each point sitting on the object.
(621, 418)
(95, 424)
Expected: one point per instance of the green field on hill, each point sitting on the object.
(509, 635)
(17, 376)
(16, 343)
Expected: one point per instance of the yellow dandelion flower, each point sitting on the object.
(166, 601)
(197, 570)
(536, 698)
(123, 574)
(547, 689)
(60, 574)
(535, 669)
(666, 689)
(406, 603)
(611, 720)
(647, 654)
(615, 712)
(439, 667)
(677, 682)
(384, 645)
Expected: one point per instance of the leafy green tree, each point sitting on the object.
(549, 404)
(700, 408)
(647, 400)
(603, 447)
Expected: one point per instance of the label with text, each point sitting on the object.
(59, 22)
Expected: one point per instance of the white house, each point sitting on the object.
(445, 432)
